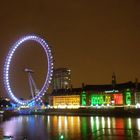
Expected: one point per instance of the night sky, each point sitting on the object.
(92, 38)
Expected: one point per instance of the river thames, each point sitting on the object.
(41, 127)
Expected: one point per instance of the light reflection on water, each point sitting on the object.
(138, 123)
(71, 127)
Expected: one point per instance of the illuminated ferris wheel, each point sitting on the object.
(7, 65)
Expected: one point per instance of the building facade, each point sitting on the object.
(108, 95)
(123, 94)
(61, 79)
(66, 98)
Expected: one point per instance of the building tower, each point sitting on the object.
(61, 79)
(113, 80)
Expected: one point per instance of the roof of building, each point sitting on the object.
(73, 91)
(120, 86)
(96, 88)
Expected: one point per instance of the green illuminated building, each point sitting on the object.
(128, 97)
(103, 95)
(97, 99)
(84, 99)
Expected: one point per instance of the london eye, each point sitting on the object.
(8, 64)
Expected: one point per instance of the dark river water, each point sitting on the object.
(37, 127)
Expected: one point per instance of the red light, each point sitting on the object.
(118, 98)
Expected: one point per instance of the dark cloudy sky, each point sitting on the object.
(92, 38)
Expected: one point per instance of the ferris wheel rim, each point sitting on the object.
(7, 64)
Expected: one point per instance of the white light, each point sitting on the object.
(97, 105)
(137, 105)
(8, 65)
(110, 91)
(8, 61)
(9, 88)
(6, 72)
(102, 105)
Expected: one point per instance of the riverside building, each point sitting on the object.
(61, 79)
(107, 95)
